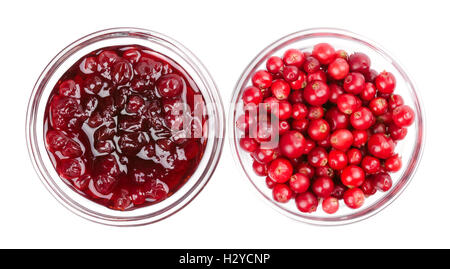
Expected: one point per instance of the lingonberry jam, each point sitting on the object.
(125, 126)
(322, 126)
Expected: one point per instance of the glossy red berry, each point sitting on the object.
(330, 205)
(381, 146)
(252, 95)
(299, 182)
(306, 202)
(294, 57)
(337, 159)
(354, 156)
(371, 165)
(354, 83)
(262, 79)
(354, 198)
(280, 170)
(347, 103)
(323, 186)
(324, 52)
(316, 93)
(352, 176)
(393, 164)
(385, 82)
(282, 193)
(280, 89)
(403, 116)
(362, 118)
(359, 62)
(274, 64)
(292, 144)
(318, 129)
(341, 139)
(382, 181)
(338, 69)
(318, 157)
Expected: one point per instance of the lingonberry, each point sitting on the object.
(359, 62)
(299, 111)
(324, 52)
(282, 193)
(330, 205)
(274, 64)
(393, 164)
(311, 65)
(360, 138)
(362, 118)
(316, 93)
(368, 188)
(354, 156)
(371, 165)
(306, 202)
(385, 82)
(341, 139)
(280, 170)
(335, 92)
(294, 57)
(315, 112)
(378, 106)
(352, 176)
(292, 144)
(290, 73)
(262, 79)
(337, 159)
(252, 95)
(395, 100)
(403, 116)
(306, 169)
(260, 169)
(338, 69)
(299, 182)
(381, 146)
(354, 198)
(318, 157)
(354, 83)
(369, 92)
(280, 89)
(336, 119)
(322, 187)
(347, 103)
(318, 129)
(382, 181)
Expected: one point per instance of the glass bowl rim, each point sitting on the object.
(325, 31)
(211, 158)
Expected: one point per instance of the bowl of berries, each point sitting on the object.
(125, 126)
(327, 126)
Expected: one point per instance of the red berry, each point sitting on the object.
(262, 79)
(281, 193)
(352, 176)
(369, 92)
(292, 144)
(378, 106)
(311, 65)
(260, 169)
(280, 170)
(306, 202)
(318, 129)
(347, 103)
(371, 165)
(354, 83)
(330, 205)
(338, 69)
(393, 164)
(299, 183)
(318, 157)
(359, 62)
(316, 93)
(354, 198)
(385, 82)
(382, 181)
(403, 116)
(368, 188)
(323, 186)
(337, 159)
(274, 64)
(290, 73)
(280, 89)
(294, 57)
(354, 156)
(299, 111)
(341, 139)
(252, 95)
(362, 118)
(381, 146)
(324, 52)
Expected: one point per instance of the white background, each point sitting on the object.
(225, 35)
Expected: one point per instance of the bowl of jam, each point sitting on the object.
(125, 126)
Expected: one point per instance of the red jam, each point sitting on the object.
(125, 127)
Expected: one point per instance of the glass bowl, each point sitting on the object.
(64, 193)
(410, 148)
